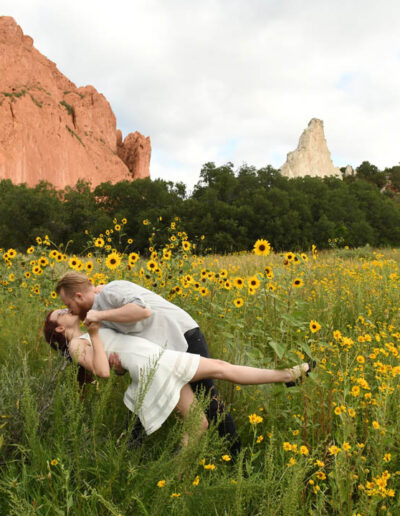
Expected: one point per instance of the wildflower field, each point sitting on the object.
(327, 446)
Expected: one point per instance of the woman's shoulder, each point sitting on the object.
(76, 342)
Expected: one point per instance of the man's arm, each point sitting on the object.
(129, 313)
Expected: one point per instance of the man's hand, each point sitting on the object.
(92, 327)
(115, 364)
(92, 316)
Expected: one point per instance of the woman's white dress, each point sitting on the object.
(157, 374)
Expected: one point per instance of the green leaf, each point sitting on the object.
(305, 347)
(278, 348)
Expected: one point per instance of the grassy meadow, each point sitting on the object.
(327, 446)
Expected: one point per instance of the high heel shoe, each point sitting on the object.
(311, 365)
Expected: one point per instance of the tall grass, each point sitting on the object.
(328, 446)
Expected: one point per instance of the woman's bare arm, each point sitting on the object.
(91, 357)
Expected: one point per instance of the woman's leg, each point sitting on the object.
(185, 402)
(220, 370)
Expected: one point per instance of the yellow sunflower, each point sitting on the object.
(262, 247)
(166, 254)
(314, 326)
(238, 282)
(297, 283)
(99, 242)
(113, 260)
(152, 265)
(253, 282)
(133, 258)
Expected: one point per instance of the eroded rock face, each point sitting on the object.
(135, 152)
(51, 130)
(312, 156)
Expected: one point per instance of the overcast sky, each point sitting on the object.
(230, 80)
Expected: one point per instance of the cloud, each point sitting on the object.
(232, 80)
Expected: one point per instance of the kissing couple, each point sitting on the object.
(130, 328)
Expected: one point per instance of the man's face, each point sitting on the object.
(79, 303)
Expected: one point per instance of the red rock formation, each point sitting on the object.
(51, 130)
(135, 151)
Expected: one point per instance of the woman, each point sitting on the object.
(160, 377)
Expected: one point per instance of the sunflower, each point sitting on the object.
(204, 291)
(53, 253)
(227, 285)
(152, 265)
(43, 261)
(99, 242)
(314, 251)
(133, 258)
(238, 282)
(89, 266)
(254, 282)
(146, 222)
(238, 302)
(223, 273)
(113, 260)
(304, 257)
(166, 254)
(73, 262)
(297, 283)
(186, 245)
(269, 273)
(117, 227)
(314, 326)
(262, 247)
(289, 256)
(30, 250)
(271, 287)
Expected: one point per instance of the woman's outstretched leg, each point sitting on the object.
(220, 370)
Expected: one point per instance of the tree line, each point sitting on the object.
(227, 211)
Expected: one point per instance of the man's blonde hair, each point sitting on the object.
(73, 282)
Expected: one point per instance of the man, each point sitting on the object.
(130, 308)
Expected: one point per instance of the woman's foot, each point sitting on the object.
(299, 371)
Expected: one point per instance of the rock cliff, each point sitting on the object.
(51, 130)
(312, 156)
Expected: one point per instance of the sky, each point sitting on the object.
(232, 80)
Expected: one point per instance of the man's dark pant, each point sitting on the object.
(197, 345)
(216, 411)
